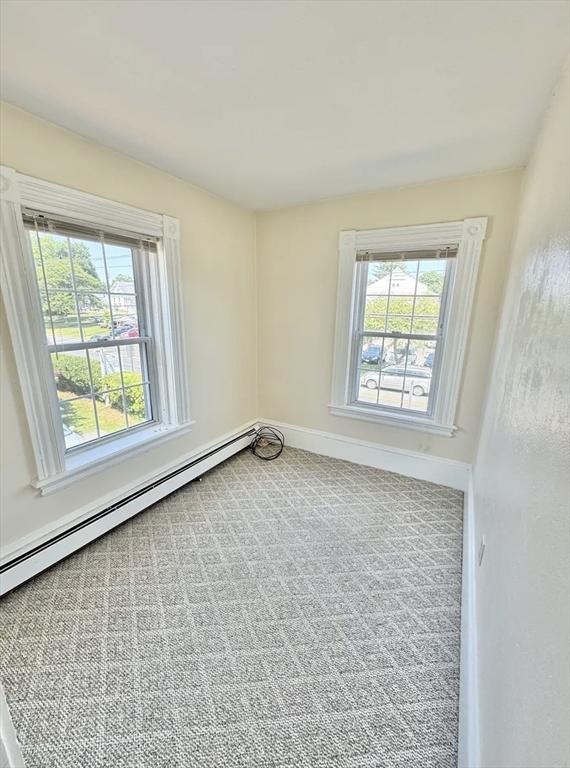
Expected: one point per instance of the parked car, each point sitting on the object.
(371, 355)
(127, 332)
(100, 337)
(414, 378)
(126, 320)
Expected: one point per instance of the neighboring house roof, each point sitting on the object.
(402, 284)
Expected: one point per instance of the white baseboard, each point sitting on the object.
(43, 558)
(468, 756)
(454, 474)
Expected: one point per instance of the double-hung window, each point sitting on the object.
(92, 290)
(403, 311)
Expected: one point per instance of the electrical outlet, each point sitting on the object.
(481, 550)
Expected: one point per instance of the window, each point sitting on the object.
(92, 290)
(402, 318)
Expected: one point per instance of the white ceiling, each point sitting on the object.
(271, 103)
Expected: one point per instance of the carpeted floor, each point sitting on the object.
(301, 613)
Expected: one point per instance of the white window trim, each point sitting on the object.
(54, 468)
(468, 236)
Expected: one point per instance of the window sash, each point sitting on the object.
(149, 386)
(396, 408)
(359, 332)
(141, 295)
(401, 335)
(79, 345)
(88, 445)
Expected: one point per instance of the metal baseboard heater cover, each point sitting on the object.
(37, 559)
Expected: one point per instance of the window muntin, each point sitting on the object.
(91, 288)
(399, 330)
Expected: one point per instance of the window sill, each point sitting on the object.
(394, 420)
(103, 456)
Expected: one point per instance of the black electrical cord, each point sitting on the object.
(268, 443)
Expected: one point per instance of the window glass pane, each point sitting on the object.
(416, 389)
(88, 266)
(72, 374)
(368, 385)
(389, 394)
(105, 360)
(425, 324)
(375, 314)
(120, 268)
(111, 407)
(376, 305)
(110, 412)
(399, 352)
(125, 318)
(59, 309)
(96, 322)
(431, 276)
(401, 305)
(372, 352)
(94, 316)
(51, 257)
(425, 354)
(398, 323)
(426, 315)
(138, 404)
(132, 363)
(78, 416)
(88, 283)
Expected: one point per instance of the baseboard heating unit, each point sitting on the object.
(24, 562)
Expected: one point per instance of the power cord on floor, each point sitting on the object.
(267, 443)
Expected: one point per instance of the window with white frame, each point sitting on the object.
(92, 290)
(404, 303)
(92, 286)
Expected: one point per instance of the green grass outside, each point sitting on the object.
(78, 415)
(72, 333)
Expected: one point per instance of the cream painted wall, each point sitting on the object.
(521, 481)
(218, 267)
(297, 257)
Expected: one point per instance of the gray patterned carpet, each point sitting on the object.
(302, 613)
